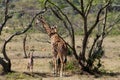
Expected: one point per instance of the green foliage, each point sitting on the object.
(21, 19)
(11, 76)
(69, 52)
(70, 66)
(20, 76)
(18, 15)
(94, 61)
(115, 32)
(117, 2)
(41, 3)
(95, 2)
(79, 32)
(32, 30)
(98, 53)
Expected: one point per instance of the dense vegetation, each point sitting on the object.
(23, 10)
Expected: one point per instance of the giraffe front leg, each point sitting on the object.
(54, 66)
(53, 62)
(61, 68)
(61, 71)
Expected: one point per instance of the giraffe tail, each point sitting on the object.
(58, 61)
(65, 61)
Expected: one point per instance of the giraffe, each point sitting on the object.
(30, 62)
(59, 47)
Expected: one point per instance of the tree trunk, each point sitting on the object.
(6, 65)
(24, 46)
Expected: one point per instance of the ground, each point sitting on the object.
(42, 57)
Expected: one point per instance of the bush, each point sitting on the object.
(70, 66)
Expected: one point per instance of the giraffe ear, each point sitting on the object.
(37, 21)
(55, 28)
(52, 27)
(40, 17)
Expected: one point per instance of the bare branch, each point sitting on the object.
(110, 27)
(18, 33)
(102, 35)
(98, 17)
(75, 8)
(94, 42)
(6, 16)
(82, 7)
(56, 13)
(88, 8)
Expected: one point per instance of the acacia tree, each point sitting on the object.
(87, 56)
(5, 61)
(7, 64)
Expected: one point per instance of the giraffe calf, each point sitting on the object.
(30, 62)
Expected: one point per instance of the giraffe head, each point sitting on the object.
(39, 20)
(53, 29)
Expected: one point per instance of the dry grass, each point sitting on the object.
(42, 54)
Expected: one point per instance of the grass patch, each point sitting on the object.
(115, 31)
(70, 66)
(18, 76)
(14, 76)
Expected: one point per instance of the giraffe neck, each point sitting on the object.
(46, 27)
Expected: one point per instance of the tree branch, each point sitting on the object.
(88, 8)
(6, 16)
(18, 33)
(82, 7)
(109, 28)
(75, 8)
(98, 17)
(94, 42)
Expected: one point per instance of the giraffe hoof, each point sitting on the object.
(61, 75)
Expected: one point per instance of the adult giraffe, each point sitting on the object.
(59, 47)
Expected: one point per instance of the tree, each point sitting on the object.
(87, 56)
(6, 62)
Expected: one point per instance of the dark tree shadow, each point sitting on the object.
(44, 75)
(42, 57)
(112, 74)
(97, 74)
